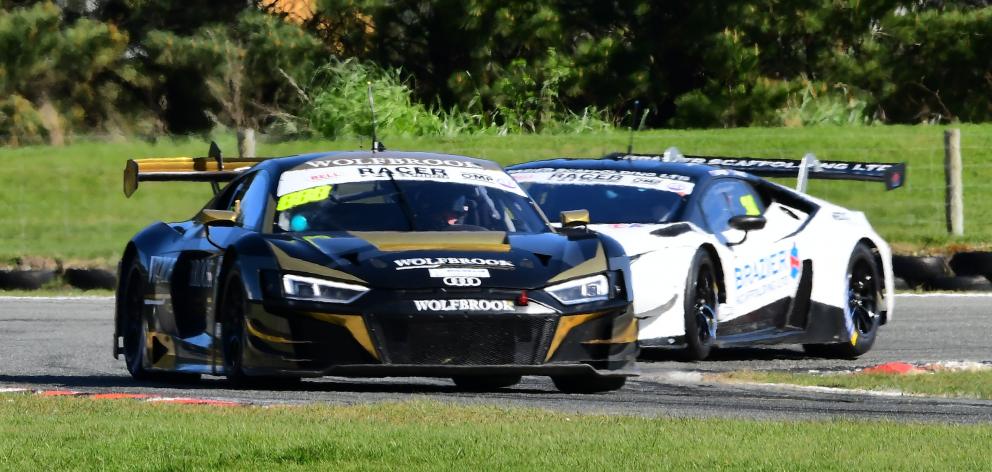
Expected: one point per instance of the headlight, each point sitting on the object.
(309, 288)
(584, 290)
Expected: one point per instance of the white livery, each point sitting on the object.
(721, 257)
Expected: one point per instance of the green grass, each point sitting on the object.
(62, 434)
(62, 291)
(966, 384)
(67, 202)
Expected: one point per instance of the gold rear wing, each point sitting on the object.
(211, 169)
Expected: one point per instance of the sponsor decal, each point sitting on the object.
(391, 161)
(478, 177)
(794, 263)
(766, 274)
(459, 272)
(464, 305)
(435, 262)
(160, 269)
(304, 178)
(462, 281)
(676, 183)
(201, 273)
(431, 172)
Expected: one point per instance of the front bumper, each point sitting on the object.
(301, 339)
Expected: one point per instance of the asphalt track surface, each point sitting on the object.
(51, 343)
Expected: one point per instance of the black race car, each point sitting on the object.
(371, 264)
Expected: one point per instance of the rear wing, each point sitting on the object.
(892, 174)
(213, 169)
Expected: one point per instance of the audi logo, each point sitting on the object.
(462, 281)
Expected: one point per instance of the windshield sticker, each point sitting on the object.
(302, 179)
(464, 305)
(302, 197)
(675, 183)
(435, 262)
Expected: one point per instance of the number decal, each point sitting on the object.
(750, 206)
(302, 197)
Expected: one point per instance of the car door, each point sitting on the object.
(760, 270)
(197, 265)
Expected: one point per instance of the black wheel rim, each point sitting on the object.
(862, 297)
(134, 334)
(232, 328)
(704, 306)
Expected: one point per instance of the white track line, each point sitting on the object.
(945, 295)
(50, 299)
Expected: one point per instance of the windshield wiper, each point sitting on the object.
(404, 203)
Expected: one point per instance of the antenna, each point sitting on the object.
(214, 153)
(637, 111)
(376, 145)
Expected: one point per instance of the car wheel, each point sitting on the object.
(480, 383)
(864, 294)
(234, 338)
(136, 331)
(702, 301)
(591, 383)
(232, 328)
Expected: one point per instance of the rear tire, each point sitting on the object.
(592, 383)
(135, 331)
(482, 383)
(864, 295)
(701, 302)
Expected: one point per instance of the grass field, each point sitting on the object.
(67, 202)
(68, 434)
(965, 384)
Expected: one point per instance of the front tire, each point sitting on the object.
(702, 300)
(233, 334)
(591, 383)
(864, 295)
(234, 339)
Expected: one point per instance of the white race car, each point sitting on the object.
(721, 257)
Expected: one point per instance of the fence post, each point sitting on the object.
(954, 193)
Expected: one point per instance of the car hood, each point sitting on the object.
(637, 239)
(425, 260)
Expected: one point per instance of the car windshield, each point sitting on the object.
(390, 201)
(610, 197)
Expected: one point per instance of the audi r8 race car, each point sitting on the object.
(721, 257)
(370, 264)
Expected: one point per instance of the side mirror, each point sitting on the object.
(747, 222)
(574, 218)
(219, 218)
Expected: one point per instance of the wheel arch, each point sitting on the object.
(720, 275)
(880, 264)
(129, 256)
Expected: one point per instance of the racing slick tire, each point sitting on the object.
(591, 383)
(234, 338)
(479, 383)
(864, 294)
(136, 331)
(701, 301)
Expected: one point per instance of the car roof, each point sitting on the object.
(282, 164)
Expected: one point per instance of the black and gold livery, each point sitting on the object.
(373, 264)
